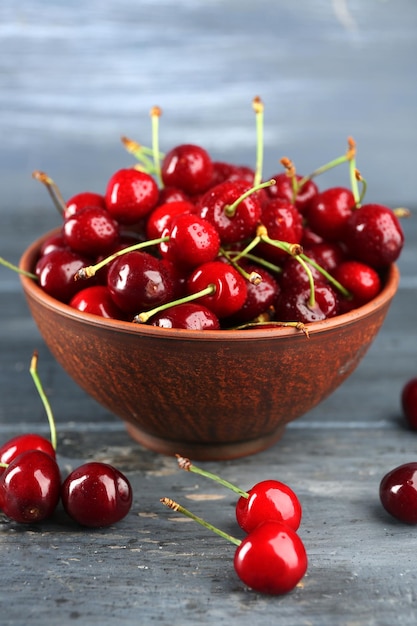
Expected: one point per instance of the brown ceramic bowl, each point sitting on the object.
(207, 395)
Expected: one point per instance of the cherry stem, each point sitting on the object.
(297, 325)
(258, 107)
(156, 113)
(295, 250)
(35, 376)
(253, 277)
(90, 270)
(53, 190)
(174, 506)
(354, 182)
(141, 153)
(237, 254)
(185, 464)
(143, 317)
(364, 184)
(328, 276)
(348, 156)
(17, 269)
(230, 209)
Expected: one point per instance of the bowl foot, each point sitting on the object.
(204, 451)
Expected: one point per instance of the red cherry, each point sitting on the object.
(192, 241)
(191, 316)
(223, 171)
(373, 235)
(241, 224)
(56, 272)
(259, 298)
(162, 216)
(22, 443)
(54, 242)
(230, 287)
(293, 304)
(327, 254)
(82, 200)
(361, 280)
(137, 281)
(187, 167)
(282, 222)
(409, 402)
(398, 492)
(96, 300)
(283, 189)
(30, 487)
(328, 212)
(293, 275)
(96, 494)
(269, 500)
(172, 194)
(271, 559)
(131, 195)
(91, 231)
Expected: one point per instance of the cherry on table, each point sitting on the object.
(22, 443)
(398, 492)
(96, 494)
(268, 500)
(30, 487)
(271, 559)
(409, 402)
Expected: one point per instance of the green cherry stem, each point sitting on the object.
(17, 269)
(90, 270)
(230, 209)
(236, 255)
(156, 113)
(174, 506)
(141, 153)
(253, 277)
(35, 376)
(185, 464)
(258, 107)
(143, 317)
(326, 274)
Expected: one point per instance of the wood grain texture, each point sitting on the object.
(73, 78)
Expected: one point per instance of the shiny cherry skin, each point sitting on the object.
(188, 167)
(192, 241)
(82, 200)
(190, 316)
(96, 494)
(327, 254)
(96, 300)
(53, 242)
(361, 280)
(22, 443)
(30, 487)
(242, 223)
(259, 298)
(230, 287)
(293, 304)
(223, 171)
(409, 402)
(91, 231)
(137, 282)
(398, 492)
(269, 500)
(283, 189)
(131, 195)
(56, 271)
(328, 212)
(293, 274)
(172, 194)
(373, 235)
(161, 217)
(271, 559)
(282, 222)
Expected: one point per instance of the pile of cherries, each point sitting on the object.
(271, 558)
(94, 494)
(182, 240)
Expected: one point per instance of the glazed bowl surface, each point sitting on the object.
(207, 395)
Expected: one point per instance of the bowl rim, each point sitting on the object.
(30, 288)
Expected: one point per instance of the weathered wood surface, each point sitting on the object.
(75, 77)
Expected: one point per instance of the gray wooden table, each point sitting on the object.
(73, 79)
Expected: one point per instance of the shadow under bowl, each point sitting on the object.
(207, 395)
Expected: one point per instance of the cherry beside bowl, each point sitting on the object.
(206, 395)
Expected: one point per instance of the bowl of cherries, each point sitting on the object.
(206, 305)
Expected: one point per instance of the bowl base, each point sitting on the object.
(204, 451)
